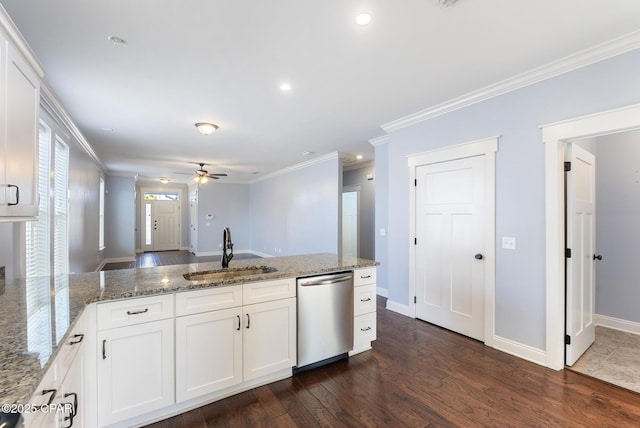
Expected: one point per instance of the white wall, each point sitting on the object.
(618, 226)
(520, 304)
(297, 212)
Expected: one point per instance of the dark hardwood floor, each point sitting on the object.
(165, 258)
(419, 375)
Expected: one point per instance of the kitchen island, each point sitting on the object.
(38, 316)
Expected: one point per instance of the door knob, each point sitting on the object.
(479, 256)
(598, 257)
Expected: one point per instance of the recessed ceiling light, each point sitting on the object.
(363, 18)
(359, 157)
(107, 129)
(307, 153)
(285, 87)
(117, 40)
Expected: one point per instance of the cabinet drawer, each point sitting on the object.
(364, 276)
(69, 349)
(209, 299)
(258, 292)
(134, 311)
(364, 299)
(364, 329)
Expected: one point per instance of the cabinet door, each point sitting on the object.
(208, 352)
(72, 396)
(22, 99)
(135, 370)
(269, 337)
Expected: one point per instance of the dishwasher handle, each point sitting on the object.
(326, 280)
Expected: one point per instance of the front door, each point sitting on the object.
(580, 211)
(450, 241)
(161, 225)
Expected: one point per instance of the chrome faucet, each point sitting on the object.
(227, 248)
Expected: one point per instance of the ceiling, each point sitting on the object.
(223, 61)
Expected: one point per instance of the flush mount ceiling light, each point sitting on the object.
(164, 180)
(285, 87)
(363, 18)
(206, 128)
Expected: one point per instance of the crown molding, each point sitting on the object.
(569, 63)
(50, 102)
(11, 30)
(299, 166)
(378, 141)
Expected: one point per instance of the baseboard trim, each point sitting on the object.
(119, 259)
(382, 292)
(517, 349)
(258, 253)
(399, 308)
(618, 324)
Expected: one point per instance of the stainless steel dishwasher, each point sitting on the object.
(325, 319)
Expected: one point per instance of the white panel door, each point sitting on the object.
(581, 202)
(450, 233)
(166, 225)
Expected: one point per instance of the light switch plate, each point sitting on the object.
(508, 243)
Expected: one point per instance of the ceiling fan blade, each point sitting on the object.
(216, 175)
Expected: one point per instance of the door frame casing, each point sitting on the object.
(555, 136)
(486, 147)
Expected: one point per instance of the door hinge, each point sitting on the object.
(567, 166)
(415, 300)
(567, 339)
(567, 253)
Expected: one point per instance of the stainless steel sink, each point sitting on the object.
(228, 273)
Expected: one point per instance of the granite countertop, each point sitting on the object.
(36, 315)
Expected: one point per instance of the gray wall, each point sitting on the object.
(229, 204)
(297, 212)
(8, 250)
(618, 226)
(520, 304)
(367, 208)
(119, 216)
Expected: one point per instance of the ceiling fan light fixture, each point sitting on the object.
(206, 128)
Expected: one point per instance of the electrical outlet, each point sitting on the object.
(508, 243)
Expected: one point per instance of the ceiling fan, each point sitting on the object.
(202, 175)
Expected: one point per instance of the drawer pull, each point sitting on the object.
(368, 299)
(51, 397)
(138, 312)
(79, 338)
(365, 329)
(74, 410)
(365, 276)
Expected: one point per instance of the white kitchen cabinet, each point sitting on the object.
(208, 352)
(269, 337)
(135, 370)
(364, 310)
(62, 388)
(19, 110)
(220, 348)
